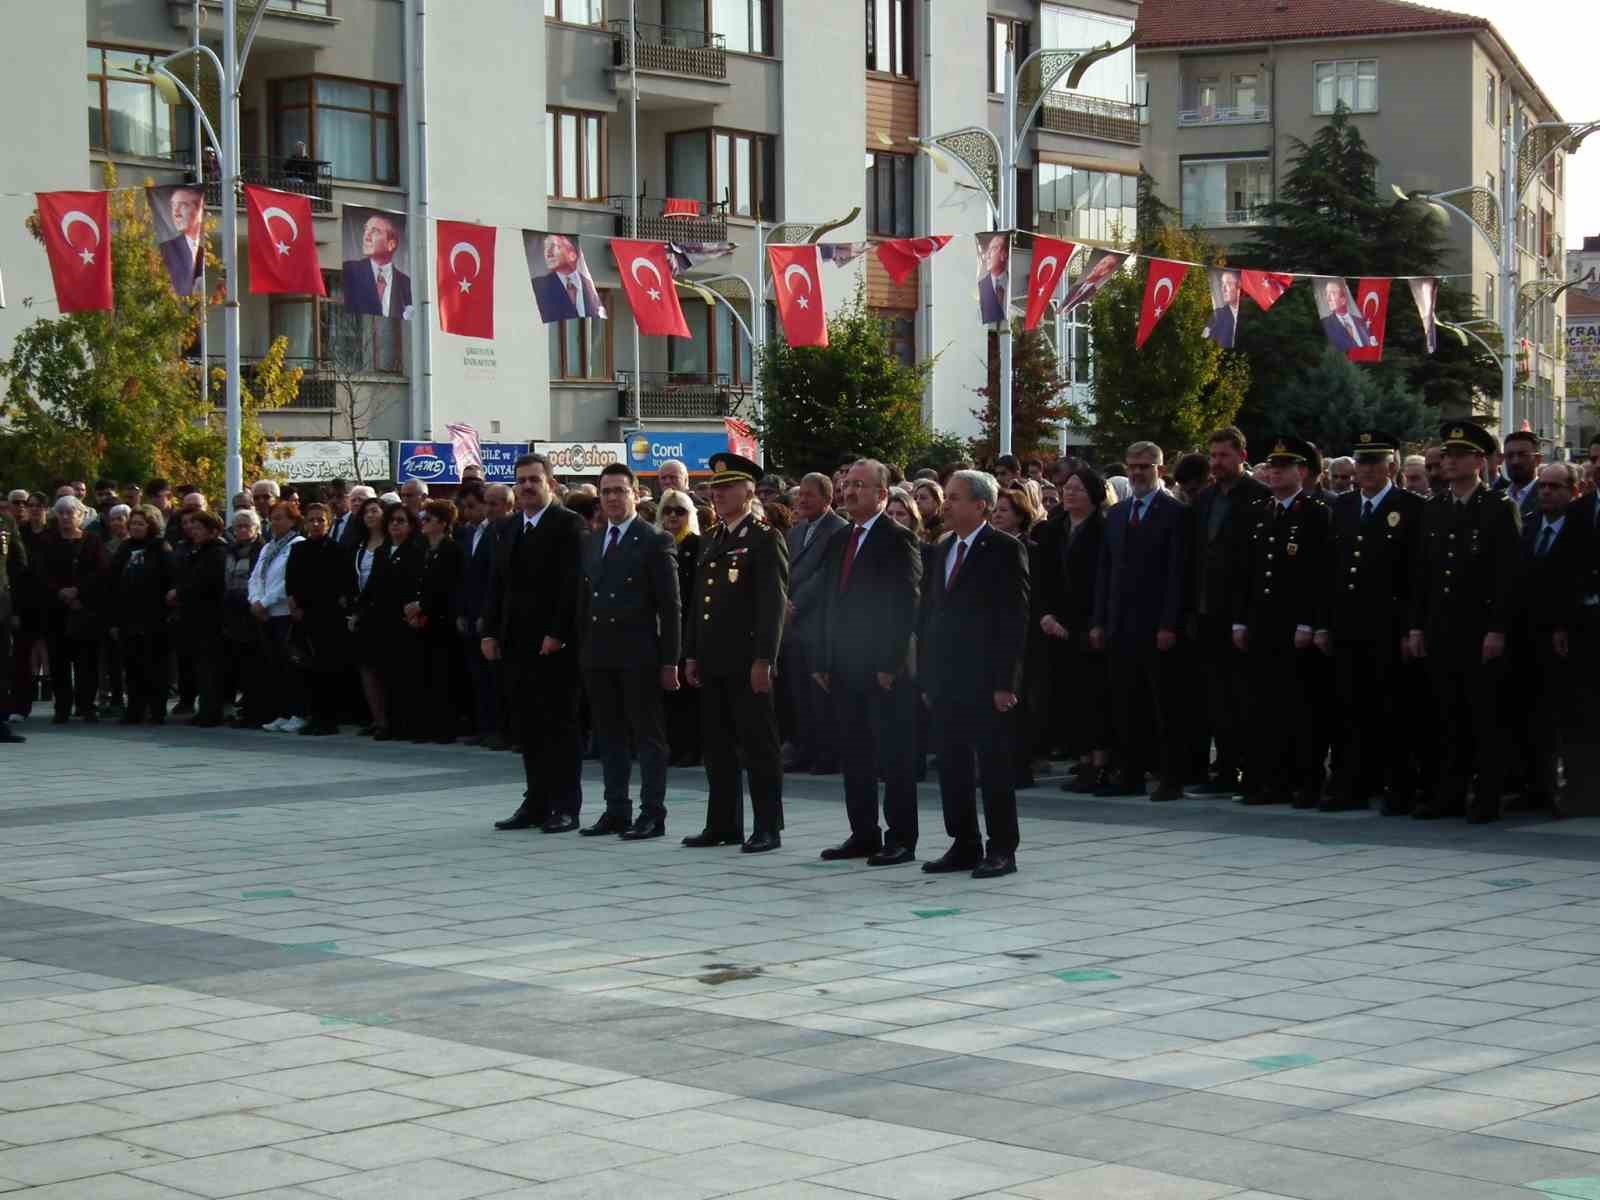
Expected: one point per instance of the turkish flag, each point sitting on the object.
(900, 256)
(1050, 259)
(283, 244)
(1372, 298)
(464, 275)
(647, 280)
(1264, 287)
(1160, 290)
(741, 439)
(77, 239)
(797, 286)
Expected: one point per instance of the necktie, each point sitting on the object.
(1546, 536)
(1134, 516)
(1000, 293)
(1366, 511)
(383, 288)
(572, 293)
(955, 569)
(611, 543)
(811, 528)
(850, 556)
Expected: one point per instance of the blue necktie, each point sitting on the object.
(1366, 511)
(1545, 538)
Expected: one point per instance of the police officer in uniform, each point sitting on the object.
(737, 609)
(1461, 608)
(1282, 557)
(1376, 530)
(13, 569)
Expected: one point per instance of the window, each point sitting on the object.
(889, 36)
(1063, 28)
(999, 30)
(890, 209)
(1205, 97)
(322, 8)
(581, 349)
(1141, 96)
(718, 165)
(745, 24)
(1489, 107)
(345, 122)
(575, 12)
(574, 154)
(1226, 191)
(1351, 82)
(733, 357)
(1244, 93)
(322, 330)
(900, 327)
(690, 358)
(1084, 205)
(128, 115)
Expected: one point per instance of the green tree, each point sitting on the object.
(851, 398)
(109, 393)
(1037, 407)
(1335, 400)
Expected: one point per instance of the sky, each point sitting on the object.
(1555, 40)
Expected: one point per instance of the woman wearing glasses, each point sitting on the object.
(677, 517)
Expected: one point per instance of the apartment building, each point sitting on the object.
(1227, 88)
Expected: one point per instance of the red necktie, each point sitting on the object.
(572, 293)
(611, 543)
(961, 557)
(850, 557)
(1133, 517)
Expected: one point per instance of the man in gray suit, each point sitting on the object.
(815, 748)
(631, 632)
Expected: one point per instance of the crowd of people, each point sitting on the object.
(1416, 630)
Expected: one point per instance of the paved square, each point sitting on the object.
(254, 965)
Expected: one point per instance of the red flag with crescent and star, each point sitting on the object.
(1372, 299)
(1264, 287)
(900, 256)
(1160, 291)
(647, 280)
(77, 239)
(283, 244)
(464, 275)
(1050, 258)
(797, 286)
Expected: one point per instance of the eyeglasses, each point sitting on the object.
(675, 512)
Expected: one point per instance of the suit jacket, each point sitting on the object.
(1549, 590)
(972, 636)
(1215, 583)
(554, 303)
(477, 575)
(1528, 507)
(1070, 571)
(994, 311)
(1340, 339)
(1143, 575)
(1587, 510)
(869, 623)
(741, 590)
(440, 590)
(1222, 327)
(808, 576)
(1466, 570)
(1283, 561)
(1373, 563)
(353, 533)
(631, 613)
(533, 591)
(360, 288)
(183, 268)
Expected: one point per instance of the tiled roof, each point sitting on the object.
(1218, 22)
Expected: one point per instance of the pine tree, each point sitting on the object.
(1336, 399)
(1037, 407)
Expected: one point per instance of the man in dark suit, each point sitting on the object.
(566, 293)
(1345, 329)
(632, 629)
(476, 535)
(1141, 601)
(13, 574)
(815, 732)
(372, 284)
(1377, 531)
(185, 252)
(972, 634)
(1522, 461)
(1224, 323)
(865, 664)
(995, 283)
(1582, 748)
(530, 624)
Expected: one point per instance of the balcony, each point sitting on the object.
(669, 395)
(318, 387)
(1089, 116)
(711, 225)
(304, 176)
(671, 50)
(1211, 114)
(1223, 219)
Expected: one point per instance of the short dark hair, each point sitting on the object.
(315, 506)
(204, 516)
(471, 488)
(583, 504)
(527, 460)
(440, 510)
(1230, 434)
(1523, 435)
(1191, 469)
(336, 487)
(391, 511)
(1009, 462)
(103, 485)
(156, 486)
(619, 468)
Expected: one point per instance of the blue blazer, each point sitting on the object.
(1142, 584)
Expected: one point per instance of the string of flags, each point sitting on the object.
(374, 280)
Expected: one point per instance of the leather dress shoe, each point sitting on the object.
(707, 837)
(825, 768)
(1119, 788)
(953, 859)
(523, 818)
(995, 865)
(7, 734)
(1165, 794)
(645, 827)
(1397, 804)
(1223, 787)
(1483, 814)
(892, 856)
(559, 823)
(760, 842)
(852, 847)
(606, 824)
(1306, 798)
(1263, 798)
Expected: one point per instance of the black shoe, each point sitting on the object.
(158, 718)
(1166, 793)
(1397, 804)
(1087, 782)
(1344, 803)
(1429, 811)
(523, 818)
(1262, 799)
(1222, 788)
(1306, 798)
(92, 717)
(1120, 788)
(606, 824)
(645, 828)
(60, 718)
(760, 842)
(129, 718)
(825, 768)
(1483, 814)
(183, 709)
(559, 823)
(382, 734)
(995, 865)
(852, 847)
(7, 734)
(892, 856)
(953, 859)
(707, 838)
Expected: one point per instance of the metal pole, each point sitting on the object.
(633, 157)
(1508, 273)
(230, 238)
(200, 177)
(1007, 220)
(1063, 369)
(758, 321)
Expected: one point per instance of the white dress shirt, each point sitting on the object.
(950, 558)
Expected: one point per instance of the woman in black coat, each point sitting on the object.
(72, 573)
(320, 580)
(434, 618)
(198, 594)
(241, 632)
(395, 582)
(142, 576)
(1020, 515)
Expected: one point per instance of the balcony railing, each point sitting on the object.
(1232, 216)
(676, 395)
(1211, 114)
(318, 388)
(672, 49)
(305, 176)
(1089, 116)
(710, 226)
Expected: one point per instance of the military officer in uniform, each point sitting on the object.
(1461, 602)
(13, 567)
(1376, 530)
(736, 623)
(1279, 622)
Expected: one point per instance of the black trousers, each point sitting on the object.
(877, 734)
(970, 733)
(283, 683)
(245, 680)
(627, 708)
(20, 666)
(7, 676)
(1582, 745)
(112, 676)
(1377, 716)
(483, 678)
(74, 672)
(816, 733)
(1148, 707)
(738, 726)
(1227, 691)
(146, 662)
(1466, 693)
(1282, 755)
(543, 694)
(1553, 718)
(210, 678)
